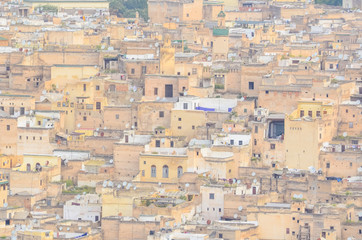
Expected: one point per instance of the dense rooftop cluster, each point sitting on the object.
(210, 120)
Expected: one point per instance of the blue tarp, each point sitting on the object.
(205, 109)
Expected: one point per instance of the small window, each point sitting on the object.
(318, 113)
(231, 142)
(172, 144)
(331, 66)
(84, 118)
(287, 231)
(84, 87)
(179, 119)
(155, 91)
(132, 71)
(267, 92)
(256, 129)
(117, 116)
(153, 171)
(272, 146)
(158, 143)
(193, 127)
(211, 196)
(255, 142)
(8, 127)
(301, 113)
(161, 114)
(97, 87)
(251, 85)
(144, 69)
(354, 142)
(310, 113)
(328, 165)
(350, 125)
(240, 142)
(185, 106)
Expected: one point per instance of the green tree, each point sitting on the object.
(129, 8)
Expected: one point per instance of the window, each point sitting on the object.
(287, 231)
(179, 119)
(143, 173)
(11, 111)
(117, 116)
(97, 87)
(84, 87)
(144, 69)
(22, 111)
(155, 91)
(318, 113)
(240, 142)
(310, 113)
(179, 171)
(328, 165)
(301, 113)
(153, 171)
(172, 144)
(193, 127)
(266, 92)
(231, 142)
(245, 110)
(331, 66)
(256, 129)
(220, 235)
(255, 142)
(179, 127)
(251, 85)
(350, 125)
(355, 142)
(8, 127)
(211, 196)
(132, 71)
(84, 118)
(161, 114)
(98, 105)
(158, 143)
(185, 106)
(272, 146)
(165, 171)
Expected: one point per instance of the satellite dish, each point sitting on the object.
(159, 184)
(134, 188)
(78, 125)
(128, 187)
(131, 100)
(253, 174)
(80, 228)
(345, 134)
(238, 181)
(240, 208)
(187, 185)
(124, 183)
(77, 197)
(110, 184)
(325, 144)
(68, 229)
(119, 186)
(111, 161)
(6, 204)
(103, 47)
(255, 180)
(235, 216)
(60, 228)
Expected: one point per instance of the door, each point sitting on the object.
(168, 90)
(254, 190)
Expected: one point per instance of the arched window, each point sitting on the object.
(179, 171)
(165, 171)
(38, 167)
(153, 171)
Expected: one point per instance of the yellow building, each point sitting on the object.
(36, 234)
(4, 190)
(181, 124)
(313, 123)
(167, 57)
(162, 165)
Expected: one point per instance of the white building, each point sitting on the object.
(83, 207)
